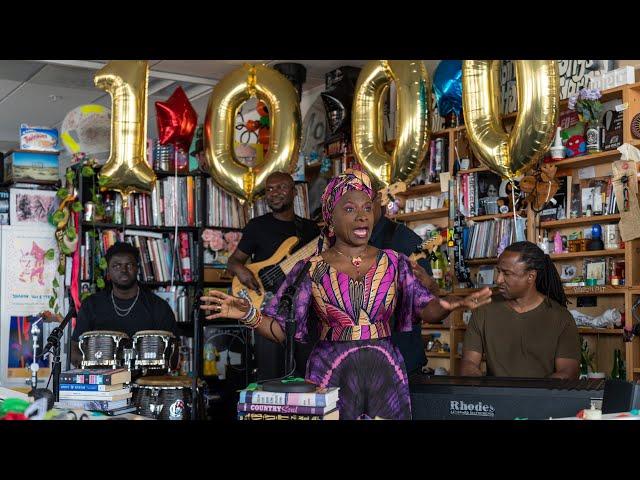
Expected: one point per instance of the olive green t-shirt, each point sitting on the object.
(522, 344)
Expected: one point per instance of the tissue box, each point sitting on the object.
(30, 166)
(42, 139)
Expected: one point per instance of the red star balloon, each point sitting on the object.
(177, 120)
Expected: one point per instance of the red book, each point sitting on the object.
(185, 259)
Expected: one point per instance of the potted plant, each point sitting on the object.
(587, 103)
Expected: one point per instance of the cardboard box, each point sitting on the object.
(30, 166)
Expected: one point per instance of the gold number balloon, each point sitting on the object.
(510, 154)
(284, 136)
(412, 126)
(127, 169)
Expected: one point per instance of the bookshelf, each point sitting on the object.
(193, 203)
(601, 341)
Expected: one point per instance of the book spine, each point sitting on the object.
(279, 398)
(85, 379)
(85, 387)
(276, 416)
(287, 409)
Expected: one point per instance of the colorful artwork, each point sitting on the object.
(27, 275)
(21, 342)
(32, 206)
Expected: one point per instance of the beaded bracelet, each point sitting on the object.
(249, 313)
(255, 320)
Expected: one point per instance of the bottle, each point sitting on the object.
(438, 268)
(622, 370)
(615, 371)
(209, 366)
(557, 242)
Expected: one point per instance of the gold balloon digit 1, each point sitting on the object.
(127, 169)
(510, 154)
(226, 98)
(412, 114)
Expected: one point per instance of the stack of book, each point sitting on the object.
(264, 405)
(223, 209)
(104, 390)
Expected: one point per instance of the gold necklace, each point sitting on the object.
(355, 261)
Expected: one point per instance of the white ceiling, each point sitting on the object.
(41, 93)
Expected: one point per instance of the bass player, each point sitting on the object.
(261, 238)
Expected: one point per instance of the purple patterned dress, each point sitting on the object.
(355, 351)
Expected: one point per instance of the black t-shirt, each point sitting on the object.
(263, 235)
(149, 313)
(389, 234)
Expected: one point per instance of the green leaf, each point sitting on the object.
(50, 255)
(52, 302)
(92, 234)
(103, 263)
(62, 193)
(70, 175)
(100, 282)
(61, 269)
(55, 283)
(103, 181)
(56, 310)
(71, 233)
(84, 296)
(76, 207)
(64, 249)
(100, 209)
(87, 171)
(58, 216)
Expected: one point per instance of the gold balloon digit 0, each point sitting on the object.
(285, 126)
(127, 169)
(412, 114)
(510, 154)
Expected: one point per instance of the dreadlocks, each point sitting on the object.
(547, 279)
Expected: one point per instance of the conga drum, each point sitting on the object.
(165, 397)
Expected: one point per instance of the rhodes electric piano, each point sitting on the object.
(496, 398)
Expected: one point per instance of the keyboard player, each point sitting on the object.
(526, 331)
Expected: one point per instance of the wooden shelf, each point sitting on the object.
(434, 327)
(482, 261)
(636, 370)
(599, 331)
(422, 215)
(573, 222)
(420, 189)
(119, 226)
(594, 290)
(582, 161)
(447, 131)
(482, 218)
(163, 174)
(437, 354)
(473, 170)
(593, 253)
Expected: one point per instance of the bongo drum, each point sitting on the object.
(152, 350)
(102, 348)
(165, 397)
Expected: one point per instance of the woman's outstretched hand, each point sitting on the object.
(224, 306)
(470, 302)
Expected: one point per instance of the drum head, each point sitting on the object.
(165, 381)
(104, 333)
(150, 333)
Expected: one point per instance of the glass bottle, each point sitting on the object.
(615, 371)
(622, 370)
(593, 136)
(438, 268)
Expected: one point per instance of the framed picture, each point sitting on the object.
(26, 282)
(28, 206)
(596, 268)
(485, 276)
(568, 272)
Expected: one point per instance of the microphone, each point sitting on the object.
(56, 334)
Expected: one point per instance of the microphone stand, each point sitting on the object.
(288, 384)
(53, 342)
(195, 365)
